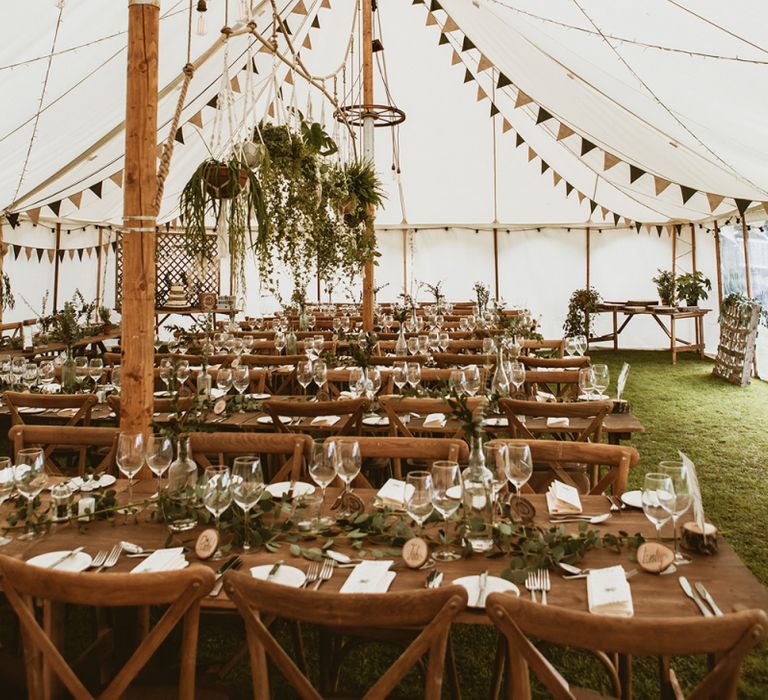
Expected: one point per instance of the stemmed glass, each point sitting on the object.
(279, 341)
(348, 462)
(356, 381)
(372, 382)
(115, 377)
(601, 380)
(413, 374)
(95, 370)
(247, 487)
(519, 467)
(446, 499)
(581, 344)
(5, 368)
(319, 342)
(30, 477)
(497, 461)
(418, 496)
(304, 373)
(159, 455)
(517, 375)
(224, 379)
(165, 374)
(570, 346)
(241, 379)
(320, 374)
(678, 474)
(489, 346)
(658, 503)
(472, 379)
(30, 376)
(217, 495)
(413, 345)
(400, 375)
(322, 469)
(456, 381)
(182, 373)
(6, 489)
(586, 381)
(81, 371)
(130, 458)
(310, 350)
(444, 340)
(17, 370)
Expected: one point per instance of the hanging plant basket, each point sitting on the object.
(219, 181)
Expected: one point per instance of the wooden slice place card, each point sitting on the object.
(220, 406)
(207, 544)
(654, 557)
(697, 541)
(415, 553)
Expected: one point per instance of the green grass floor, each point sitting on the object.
(721, 428)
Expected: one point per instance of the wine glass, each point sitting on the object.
(182, 373)
(247, 487)
(237, 346)
(309, 349)
(446, 499)
(423, 344)
(247, 343)
(81, 371)
(489, 346)
(304, 374)
(456, 381)
(517, 375)
(319, 342)
(279, 341)
(658, 499)
(348, 462)
(95, 369)
(217, 495)
(413, 374)
(400, 374)
(159, 455)
(356, 381)
(601, 380)
(413, 345)
(472, 379)
(519, 466)
(418, 496)
(30, 478)
(7, 485)
(581, 344)
(165, 374)
(570, 346)
(678, 473)
(130, 457)
(372, 381)
(322, 469)
(586, 381)
(30, 376)
(320, 373)
(497, 462)
(241, 378)
(444, 340)
(224, 379)
(115, 377)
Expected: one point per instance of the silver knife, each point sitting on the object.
(273, 571)
(483, 584)
(689, 592)
(66, 556)
(219, 573)
(704, 593)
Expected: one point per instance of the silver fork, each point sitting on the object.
(313, 570)
(531, 585)
(111, 559)
(98, 560)
(325, 573)
(544, 584)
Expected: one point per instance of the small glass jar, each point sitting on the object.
(60, 496)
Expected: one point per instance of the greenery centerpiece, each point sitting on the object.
(582, 304)
(693, 287)
(483, 295)
(666, 286)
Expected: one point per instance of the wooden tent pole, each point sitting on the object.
(745, 237)
(3, 252)
(98, 268)
(674, 252)
(589, 245)
(719, 271)
(368, 152)
(138, 240)
(496, 260)
(56, 269)
(405, 260)
(693, 248)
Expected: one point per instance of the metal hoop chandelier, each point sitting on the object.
(383, 115)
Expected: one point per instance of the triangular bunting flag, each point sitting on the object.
(564, 131)
(581, 196)
(637, 226)
(635, 173)
(289, 77)
(235, 83)
(13, 218)
(96, 189)
(28, 252)
(659, 229)
(315, 23)
(616, 218)
(431, 19)
(71, 253)
(117, 178)
(660, 184)
(592, 206)
(16, 252)
(300, 8)
(40, 252)
(543, 115)
(435, 6)
(686, 193)
(468, 76)
(505, 127)
(494, 110)
(325, 4)
(522, 99)
(531, 154)
(714, 201)
(213, 102)
(544, 167)
(34, 215)
(443, 39)
(503, 81)
(483, 64)
(89, 251)
(197, 120)
(556, 177)
(568, 188)
(450, 25)
(307, 43)
(467, 44)
(271, 109)
(609, 160)
(80, 253)
(518, 140)
(742, 205)
(455, 58)
(52, 254)
(586, 146)
(604, 212)
(480, 94)
(55, 207)
(179, 135)
(287, 29)
(114, 246)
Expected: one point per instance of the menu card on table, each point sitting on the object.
(608, 592)
(563, 499)
(369, 577)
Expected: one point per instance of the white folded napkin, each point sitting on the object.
(327, 421)
(346, 395)
(545, 396)
(434, 420)
(608, 592)
(162, 560)
(395, 493)
(554, 422)
(563, 499)
(369, 577)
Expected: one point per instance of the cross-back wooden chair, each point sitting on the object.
(592, 411)
(558, 455)
(574, 362)
(351, 412)
(180, 590)
(79, 408)
(398, 407)
(553, 348)
(428, 612)
(338, 381)
(453, 360)
(731, 637)
(399, 449)
(563, 384)
(82, 438)
(290, 453)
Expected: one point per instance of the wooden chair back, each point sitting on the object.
(453, 360)
(731, 637)
(618, 459)
(429, 611)
(338, 381)
(397, 407)
(555, 348)
(83, 437)
(158, 405)
(291, 452)
(562, 384)
(575, 362)
(594, 411)
(350, 411)
(181, 590)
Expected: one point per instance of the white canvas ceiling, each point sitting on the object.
(605, 70)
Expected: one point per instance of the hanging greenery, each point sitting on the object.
(582, 304)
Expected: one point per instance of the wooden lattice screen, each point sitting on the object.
(173, 264)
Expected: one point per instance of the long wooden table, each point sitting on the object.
(729, 581)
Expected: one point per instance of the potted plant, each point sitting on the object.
(7, 300)
(666, 286)
(363, 192)
(581, 305)
(483, 295)
(693, 287)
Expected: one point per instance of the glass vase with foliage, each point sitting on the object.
(693, 287)
(582, 304)
(666, 287)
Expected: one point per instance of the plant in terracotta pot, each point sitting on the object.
(693, 287)
(666, 286)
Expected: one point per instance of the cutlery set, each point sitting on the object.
(700, 601)
(538, 581)
(233, 563)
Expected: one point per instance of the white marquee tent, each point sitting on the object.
(533, 120)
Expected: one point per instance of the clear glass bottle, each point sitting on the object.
(477, 499)
(500, 381)
(183, 470)
(401, 346)
(68, 371)
(204, 383)
(291, 343)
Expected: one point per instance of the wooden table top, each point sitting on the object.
(730, 582)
